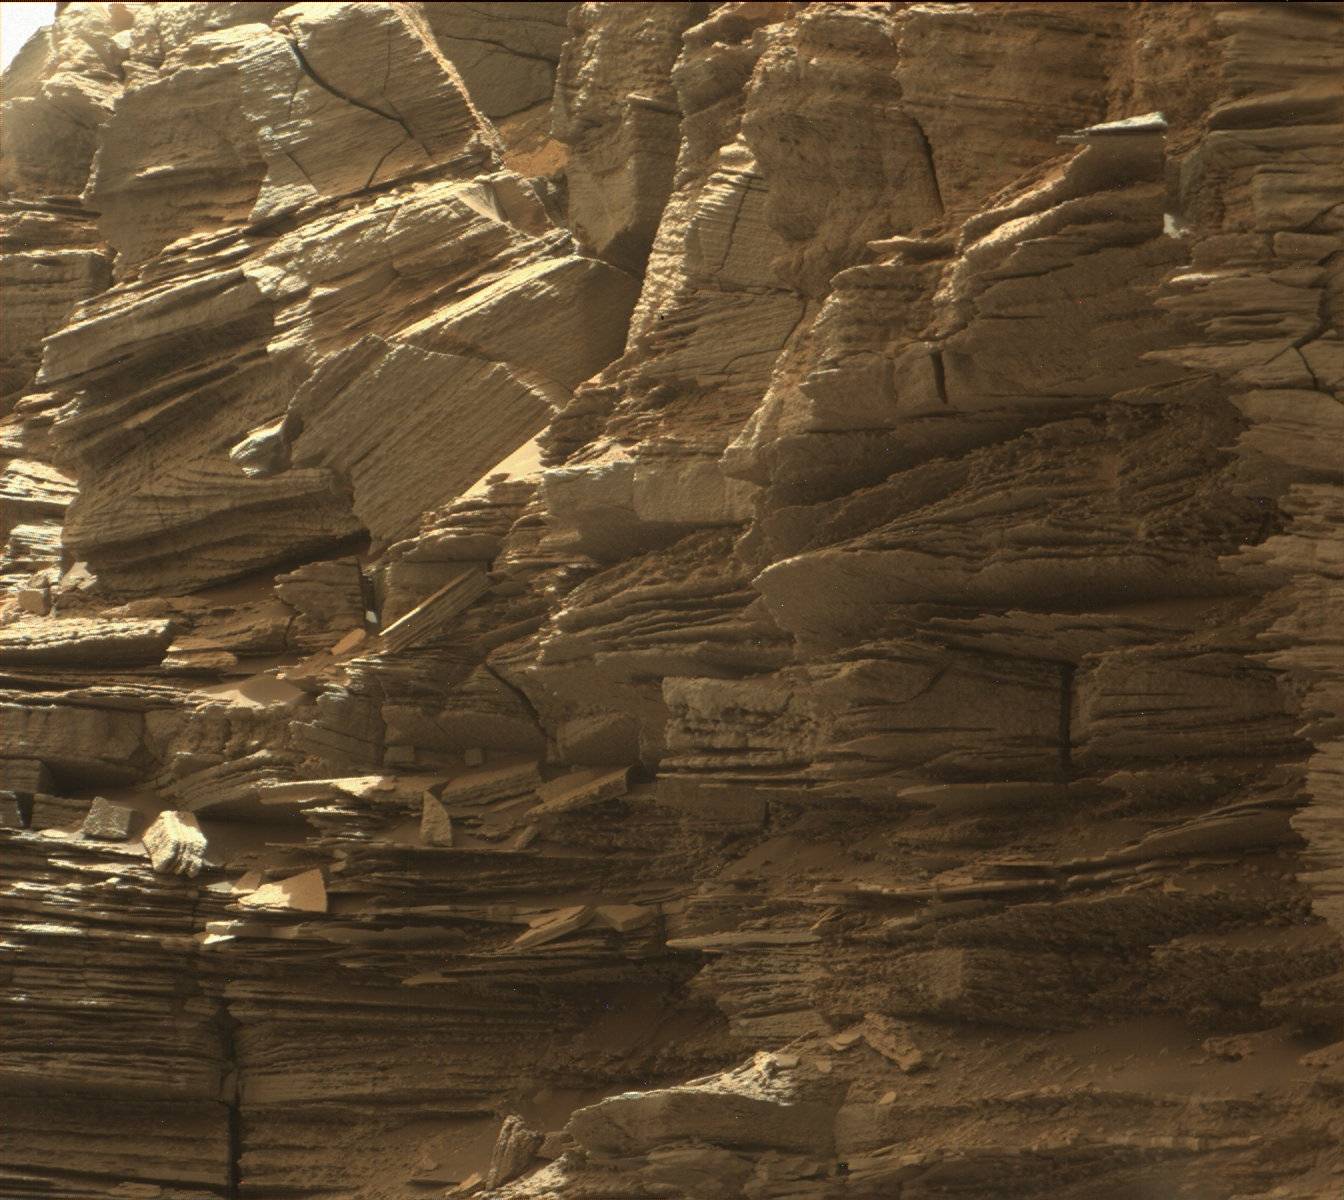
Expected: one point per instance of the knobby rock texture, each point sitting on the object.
(632, 600)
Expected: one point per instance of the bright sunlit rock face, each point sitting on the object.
(672, 600)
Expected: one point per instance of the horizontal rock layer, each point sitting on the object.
(643, 600)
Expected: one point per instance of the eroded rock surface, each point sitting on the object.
(673, 600)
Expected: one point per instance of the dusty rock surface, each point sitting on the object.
(673, 600)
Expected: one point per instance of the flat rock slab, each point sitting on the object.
(80, 640)
(491, 784)
(578, 789)
(56, 812)
(306, 892)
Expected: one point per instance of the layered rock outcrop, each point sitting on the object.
(673, 600)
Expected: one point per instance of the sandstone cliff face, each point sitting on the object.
(673, 600)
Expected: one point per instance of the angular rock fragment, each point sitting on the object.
(241, 886)
(483, 786)
(175, 844)
(891, 1040)
(578, 789)
(554, 925)
(436, 828)
(623, 917)
(35, 600)
(305, 892)
(107, 821)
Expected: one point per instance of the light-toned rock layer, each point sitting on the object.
(673, 600)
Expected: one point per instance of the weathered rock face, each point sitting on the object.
(673, 600)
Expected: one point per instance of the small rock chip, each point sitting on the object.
(553, 925)
(474, 757)
(529, 835)
(34, 600)
(1229, 1049)
(107, 821)
(912, 1061)
(436, 827)
(892, 1040)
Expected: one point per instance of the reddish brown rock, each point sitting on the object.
(691, 600)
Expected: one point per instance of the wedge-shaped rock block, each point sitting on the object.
(78, 640)
(306, 892)
(965, 716)
(747, 1109)
(78, 743)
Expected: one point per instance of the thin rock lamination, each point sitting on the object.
(700, 600)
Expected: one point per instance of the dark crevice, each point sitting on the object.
(230, 1090)
(1066, 674)
(928, 159)
(349, 99)
(1306, 366)
(372, 619)
(520, 19)
(939, 375)
(924, 689)
(339, 94)
(732, 225)
(501, 47)
(523, 698)
(378, 166)
(302, 170)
